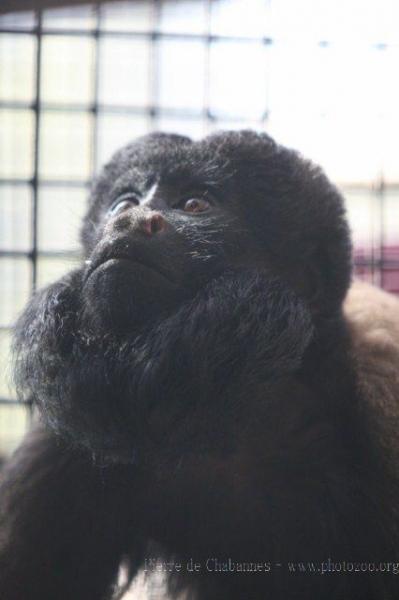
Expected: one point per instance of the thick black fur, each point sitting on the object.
(196, 389)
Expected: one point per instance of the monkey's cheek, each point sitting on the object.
(121, 295)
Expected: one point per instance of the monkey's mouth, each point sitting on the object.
(118, 261)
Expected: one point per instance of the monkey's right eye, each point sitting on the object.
(122, 203)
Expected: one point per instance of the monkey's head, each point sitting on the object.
(168, 215)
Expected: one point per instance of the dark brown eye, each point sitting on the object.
(196, 205)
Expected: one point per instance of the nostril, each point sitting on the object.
(157, 223)
(153, 224)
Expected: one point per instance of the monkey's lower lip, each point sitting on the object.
(117, 260)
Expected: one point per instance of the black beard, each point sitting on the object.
(127, 395)
(75, 346)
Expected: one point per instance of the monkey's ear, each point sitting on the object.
(319, 270)
(328, 272)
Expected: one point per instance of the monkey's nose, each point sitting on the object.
(152, 224)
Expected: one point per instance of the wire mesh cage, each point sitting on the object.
(77, 83)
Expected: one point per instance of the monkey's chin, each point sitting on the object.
(121, 296)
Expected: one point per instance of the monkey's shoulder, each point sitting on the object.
(373, 319)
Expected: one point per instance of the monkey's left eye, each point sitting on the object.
(195, 205)
(123, 202)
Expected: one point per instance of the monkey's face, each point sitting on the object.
(155, 249)
(168, 215)
(164, 222)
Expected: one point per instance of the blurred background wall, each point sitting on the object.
(76, 83)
